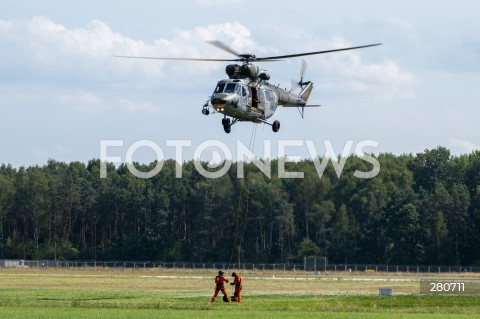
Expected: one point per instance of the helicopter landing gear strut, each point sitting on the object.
(205, 110)
(227, 124)
(275, 125)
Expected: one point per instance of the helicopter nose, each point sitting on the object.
(218, 101)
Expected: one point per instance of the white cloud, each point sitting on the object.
(233, 34)
(384, 78)
(41, 49)
(73, 60)
(374, 71)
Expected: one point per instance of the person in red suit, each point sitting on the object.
(219, 286)
(238, 287)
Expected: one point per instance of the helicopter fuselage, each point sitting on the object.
(254, 100)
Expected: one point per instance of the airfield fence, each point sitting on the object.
(244, 266)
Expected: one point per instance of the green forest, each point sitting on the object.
(420, 209)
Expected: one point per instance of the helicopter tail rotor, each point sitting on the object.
(302, 70)
(300, 84)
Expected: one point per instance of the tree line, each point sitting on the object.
(419, 209)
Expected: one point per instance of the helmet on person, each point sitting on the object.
(220, 273)
(234, 274)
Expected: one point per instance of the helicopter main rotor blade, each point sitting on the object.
(312, 53)
(187, 59)
(224, 47)
(244, 58)
(181, 59)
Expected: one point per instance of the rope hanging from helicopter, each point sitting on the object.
(237, 219)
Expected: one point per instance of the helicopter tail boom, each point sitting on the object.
(303, 96)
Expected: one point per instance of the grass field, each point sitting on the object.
(156, 293)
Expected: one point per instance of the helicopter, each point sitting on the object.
(247, 95)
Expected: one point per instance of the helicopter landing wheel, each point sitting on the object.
(227, 128)
(227, 125)
(276, 126)
(225, 121)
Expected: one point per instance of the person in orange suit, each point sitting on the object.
(219, 286)
(238, 287)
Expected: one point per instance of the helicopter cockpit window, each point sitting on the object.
(244, 91)
(219, 88)
(230, 88)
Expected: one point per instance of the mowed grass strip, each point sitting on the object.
(182, 314)
(174, 295)
(15, 312)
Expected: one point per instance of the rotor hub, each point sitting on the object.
(247, 57)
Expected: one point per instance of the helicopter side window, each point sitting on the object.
(267, 95)
(230, 88)
(261, 96)
(244, 91)
(219, 88)
(238, 90)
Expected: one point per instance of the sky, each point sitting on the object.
(62, 91)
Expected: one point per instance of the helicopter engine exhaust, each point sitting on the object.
(235, 71)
